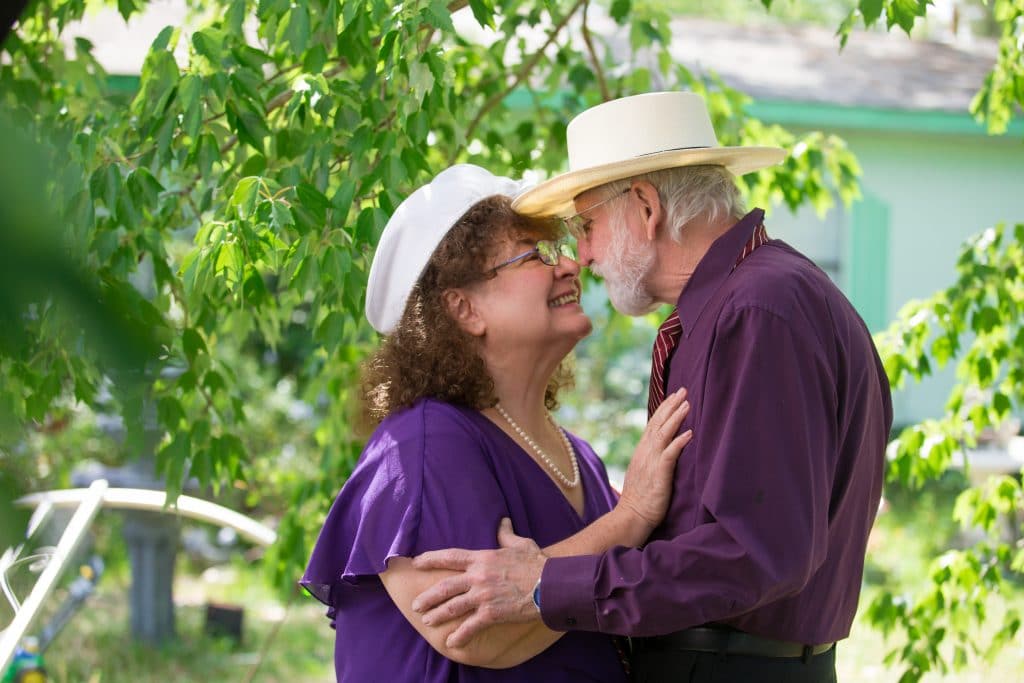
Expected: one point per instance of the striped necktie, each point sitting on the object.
(668, 336)
(672, 329)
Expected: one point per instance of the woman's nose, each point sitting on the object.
(567, 265)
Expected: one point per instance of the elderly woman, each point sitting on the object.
(479, 306)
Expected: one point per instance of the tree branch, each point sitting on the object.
(524, 71)
(453, 7)
(598, 71)
(280, 100)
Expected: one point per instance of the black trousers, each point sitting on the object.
(709, 667)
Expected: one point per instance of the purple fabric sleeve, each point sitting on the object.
(421, 485)
(567, 593)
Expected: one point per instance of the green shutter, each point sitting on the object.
(867, 264)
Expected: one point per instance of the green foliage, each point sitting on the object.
(980, 317)
(949, 611)
(977, 319)
(902, 13)
(1003, 91)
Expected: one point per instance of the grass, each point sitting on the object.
(280, 643)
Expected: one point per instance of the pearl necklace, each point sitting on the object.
(571, 483)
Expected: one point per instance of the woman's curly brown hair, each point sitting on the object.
(428, 354)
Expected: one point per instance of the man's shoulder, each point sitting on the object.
(780, 280)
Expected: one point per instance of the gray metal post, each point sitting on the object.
(152, 540)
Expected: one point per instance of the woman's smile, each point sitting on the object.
(564, 299)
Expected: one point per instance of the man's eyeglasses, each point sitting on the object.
(547, 252)
(579, 225)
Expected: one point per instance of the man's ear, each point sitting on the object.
(463, 311)
(651, 210)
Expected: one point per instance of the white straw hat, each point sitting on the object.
(414, 231)
(635, 135)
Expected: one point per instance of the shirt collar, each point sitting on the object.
(714, 268)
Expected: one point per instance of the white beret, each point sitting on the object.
(414, 231)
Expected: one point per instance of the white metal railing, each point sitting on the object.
(87, 508)
(87, 503)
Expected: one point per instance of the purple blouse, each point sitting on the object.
(439, 476)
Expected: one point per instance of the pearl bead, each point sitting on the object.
(570, 483)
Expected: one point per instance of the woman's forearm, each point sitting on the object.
(497, 647)
(503, 645)
(615, 528)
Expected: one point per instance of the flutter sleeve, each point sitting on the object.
(425, 481)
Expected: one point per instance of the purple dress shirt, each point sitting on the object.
(438, 476)
(776, 493)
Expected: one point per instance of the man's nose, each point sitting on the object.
(584, 254)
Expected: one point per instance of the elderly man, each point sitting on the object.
(756, 571)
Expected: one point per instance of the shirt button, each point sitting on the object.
(570, 621)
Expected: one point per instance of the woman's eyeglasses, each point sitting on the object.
(547, 252)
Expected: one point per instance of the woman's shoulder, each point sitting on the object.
(429, 426)
(428, 416)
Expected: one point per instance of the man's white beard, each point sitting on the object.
(629, 261)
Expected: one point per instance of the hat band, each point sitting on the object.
(673, 149)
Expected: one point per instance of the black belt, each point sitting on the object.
(728, 641)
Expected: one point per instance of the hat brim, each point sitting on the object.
(555, 196)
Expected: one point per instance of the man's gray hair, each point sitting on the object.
(687, 193)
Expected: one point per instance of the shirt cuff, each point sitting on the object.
(567, 593)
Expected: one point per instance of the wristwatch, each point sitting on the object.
(536, 595)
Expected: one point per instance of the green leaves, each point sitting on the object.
(209, 43)
(243, 199)
(126, 8)
(1003, 90)
(902, 13)
(483, 12)
(620, 9)
(164, 39)
(144, 188)
(281, 217)
(193, 344)
(190, 96)
(247, 122)
(871, 10)
(978, 319)
(295, 28)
